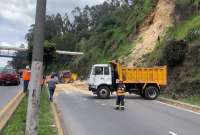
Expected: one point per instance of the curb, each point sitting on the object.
(180, 104)
(7, 111)
(57, 119)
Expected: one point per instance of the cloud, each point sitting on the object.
(66, 6)
(16, 16)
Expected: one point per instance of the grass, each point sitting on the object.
(46, 116)
(16, 124)
(183, 29)
(194, 100)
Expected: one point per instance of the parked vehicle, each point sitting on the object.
(9, 76)
(144, 81)
(69, 77)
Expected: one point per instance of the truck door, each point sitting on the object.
(98, 75)
(107, 75)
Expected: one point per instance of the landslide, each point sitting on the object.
(151, 31)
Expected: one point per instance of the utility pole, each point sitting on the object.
(36, 69)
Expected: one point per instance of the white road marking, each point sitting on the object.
(172, 133)
(179, 108)
(103, 104)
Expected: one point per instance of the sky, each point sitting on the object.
(17, 15)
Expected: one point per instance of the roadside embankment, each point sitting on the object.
(191, 107)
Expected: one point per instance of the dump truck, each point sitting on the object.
(146, 82)
(69, 77)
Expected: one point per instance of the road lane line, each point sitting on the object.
(172, 133)
(179, 108)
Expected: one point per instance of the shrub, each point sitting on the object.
(193, 34)
(173, 53)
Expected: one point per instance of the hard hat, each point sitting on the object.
(27, 67)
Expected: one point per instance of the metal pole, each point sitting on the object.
(36, 70)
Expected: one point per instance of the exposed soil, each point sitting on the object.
(151, 31)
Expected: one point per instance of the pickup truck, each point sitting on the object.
(146, 82)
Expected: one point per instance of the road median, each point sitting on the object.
(7, 111)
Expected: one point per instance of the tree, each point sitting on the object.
(49, 53)
(20, 61)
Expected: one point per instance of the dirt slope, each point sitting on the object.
(152, 29)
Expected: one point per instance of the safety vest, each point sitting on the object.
(26, 75)
(120, 92)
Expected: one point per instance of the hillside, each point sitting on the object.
(179, 48)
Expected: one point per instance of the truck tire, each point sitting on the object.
(151, 92)
(103, 92)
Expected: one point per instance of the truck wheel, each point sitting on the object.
(151, 92)
(103, 92)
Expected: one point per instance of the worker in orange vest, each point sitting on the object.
(26, 78)
(120, 96)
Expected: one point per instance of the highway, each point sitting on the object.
(83, 114)
(7, 93)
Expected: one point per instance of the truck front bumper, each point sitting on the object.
(92, 88)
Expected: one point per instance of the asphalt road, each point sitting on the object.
(83, 114)
(7, 93)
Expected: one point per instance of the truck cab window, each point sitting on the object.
(98, 70)
(106, 71)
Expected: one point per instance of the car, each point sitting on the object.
(9, 76)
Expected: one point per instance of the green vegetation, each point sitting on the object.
(179, 49)
(46, 119)
(194, 100)
(16, 125)
(183, 29)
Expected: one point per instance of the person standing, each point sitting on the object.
(26, 78)
(120, 96)
(52, 87)
(43, 81)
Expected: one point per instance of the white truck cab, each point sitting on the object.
(100, 80)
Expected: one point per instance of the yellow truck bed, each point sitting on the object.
(156, 75)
